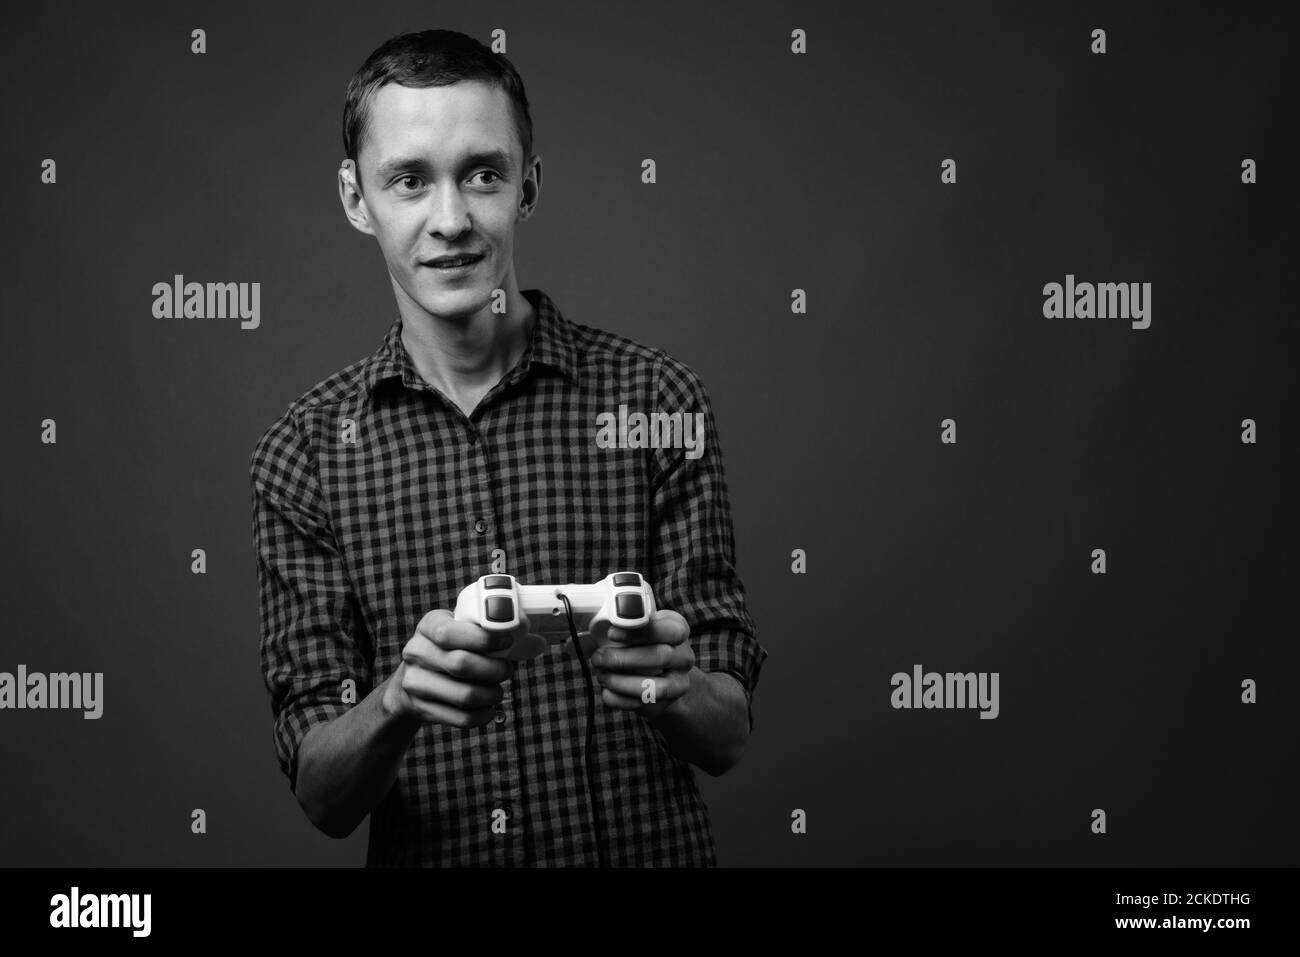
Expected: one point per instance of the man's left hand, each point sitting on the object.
(646, 669)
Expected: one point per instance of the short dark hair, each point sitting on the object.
(432, 58)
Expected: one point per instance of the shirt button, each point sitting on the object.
(499, 717)
(480, 526)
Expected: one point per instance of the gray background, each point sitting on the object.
(775, 171)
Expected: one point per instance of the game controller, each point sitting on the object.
(497, 602)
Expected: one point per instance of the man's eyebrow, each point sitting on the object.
(397, 164)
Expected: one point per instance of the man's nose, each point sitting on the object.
(450, 213)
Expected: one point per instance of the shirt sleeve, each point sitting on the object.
(693, 548)
(310, 625)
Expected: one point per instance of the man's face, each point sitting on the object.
(440, 176)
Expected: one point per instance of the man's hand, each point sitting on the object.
(659, 652)
(446, 676)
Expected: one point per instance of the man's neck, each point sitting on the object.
(464, 358)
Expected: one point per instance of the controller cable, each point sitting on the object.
(591, 724)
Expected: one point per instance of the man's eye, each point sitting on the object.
(403, 179)
(487, 172)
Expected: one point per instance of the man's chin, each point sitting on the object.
(453, 304)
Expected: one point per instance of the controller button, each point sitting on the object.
(626, 579)
(497, 581)
(500, 609)
(629, 606)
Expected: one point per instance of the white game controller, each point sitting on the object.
(496, 602)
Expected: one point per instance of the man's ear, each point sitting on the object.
(531, 190)
(354, 204)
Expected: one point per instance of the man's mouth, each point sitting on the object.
(451, 263)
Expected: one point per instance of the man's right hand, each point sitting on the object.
(446, 676)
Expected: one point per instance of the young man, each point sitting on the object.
(466, 445)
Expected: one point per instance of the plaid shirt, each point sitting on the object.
(359, 535)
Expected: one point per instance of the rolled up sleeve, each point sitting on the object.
(693, 550)
(311, 633)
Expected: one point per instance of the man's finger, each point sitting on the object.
(459, 663)
(455, 717)
(435, 687)
(445, 632)
(644, 659)
(664, 628)
(624, 703)
(666, 687)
